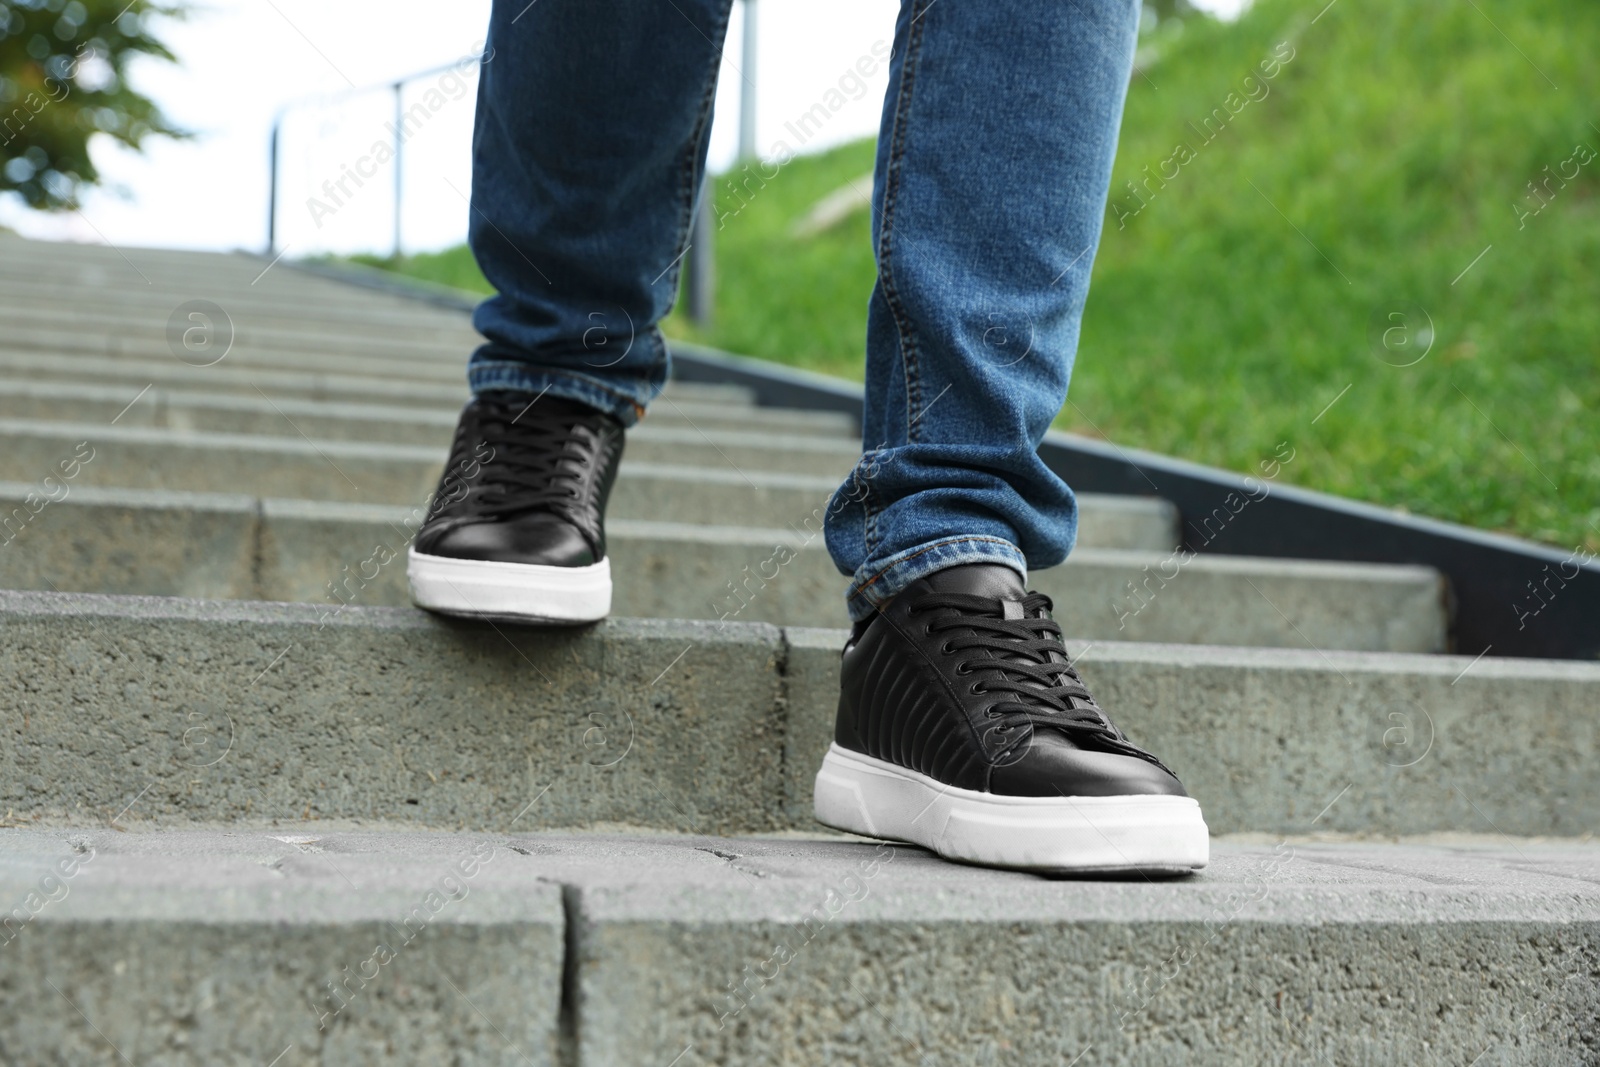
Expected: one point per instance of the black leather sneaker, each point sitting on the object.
(964, 728)
(516, 529)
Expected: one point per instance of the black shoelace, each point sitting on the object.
(532, 459)
(1023, 661)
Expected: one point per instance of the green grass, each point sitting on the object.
(797, 301)
(454, 267)
(1396, 141)
(1229, 312)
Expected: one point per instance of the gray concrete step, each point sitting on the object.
(355, 472)
(360, 378)
(214, 949)
(499, 946)
(364, 473)
(127, 272)
(153, 542)
(142, 326)
(121, 265)
(670, 440)
(440, 363)
(240, 711)
(137, 374)
(251, 413)
(130, 321)
(43, 272)
(244, 281)
(330, 314)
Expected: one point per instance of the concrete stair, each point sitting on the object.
(390, 714)
(189, 409)
(219, 545)
(499, 946)
(385, 473)
(259, 765)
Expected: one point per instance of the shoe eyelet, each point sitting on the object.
(945, 649)
(963, 668)
(976, 689)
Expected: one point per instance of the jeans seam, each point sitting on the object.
(870, 512)
(663, 357)
(891, 184)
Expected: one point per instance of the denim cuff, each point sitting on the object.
(872, 589)
(483, 375)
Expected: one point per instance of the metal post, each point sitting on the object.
(747, 85)
(701, 277)
(399, 139)
(272, 188)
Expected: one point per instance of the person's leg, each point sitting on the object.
(994, 158)
(963, 725)
(592, 127)
(593, 122)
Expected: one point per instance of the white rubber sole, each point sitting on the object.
(520, 592)
(1156, 834)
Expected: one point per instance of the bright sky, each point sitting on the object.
(241, 60)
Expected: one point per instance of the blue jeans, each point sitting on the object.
(994, 156)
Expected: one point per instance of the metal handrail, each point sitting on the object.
(397, 87)
(698, 266)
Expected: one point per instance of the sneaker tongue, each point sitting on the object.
(978, 579)
(521, 403)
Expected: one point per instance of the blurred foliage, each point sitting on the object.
(1159, 12)
(1234, 299)
(63, 79)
